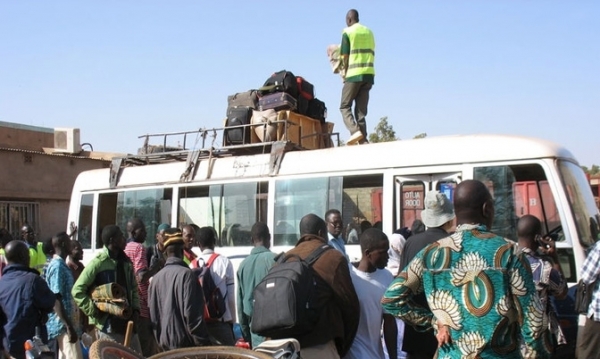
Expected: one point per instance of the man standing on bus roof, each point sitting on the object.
(480, 293)
(250, 272)
(335, 225)
(137, 254)
(37, 257)
(358, 54)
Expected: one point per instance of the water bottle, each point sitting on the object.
(35, 347)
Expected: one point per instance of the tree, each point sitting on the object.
(594, 170)
(420, 135)
(384, 132)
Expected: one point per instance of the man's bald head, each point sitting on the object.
(17, 252)
(528, 227)
(351, 17)
(473, 203)
(313, 224)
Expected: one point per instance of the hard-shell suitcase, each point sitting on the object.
(277, 101)
(237, 116)
(248, 98)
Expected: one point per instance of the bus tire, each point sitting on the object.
(211, 352)
(109, 349)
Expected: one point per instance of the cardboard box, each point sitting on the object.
(310, 129)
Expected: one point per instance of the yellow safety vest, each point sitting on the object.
(362, 51)
(37, 258)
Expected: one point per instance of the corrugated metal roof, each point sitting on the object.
(57, 154)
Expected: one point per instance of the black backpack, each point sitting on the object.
(214, 301)
(285, 301)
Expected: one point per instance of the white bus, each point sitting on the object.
(378, 182)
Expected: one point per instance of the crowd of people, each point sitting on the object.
(448, 287)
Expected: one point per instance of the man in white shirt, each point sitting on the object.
(370, 280)
(224, 277)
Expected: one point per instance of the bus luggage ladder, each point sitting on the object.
(201, 150)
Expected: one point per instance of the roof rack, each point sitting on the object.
(205, 147)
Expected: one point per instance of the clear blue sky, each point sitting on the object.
(120, 69)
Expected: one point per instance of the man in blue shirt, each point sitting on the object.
(333, 217)
(63, 325)
(25, 300)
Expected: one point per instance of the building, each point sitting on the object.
(38, 168)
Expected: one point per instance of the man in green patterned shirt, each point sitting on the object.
(479, 289)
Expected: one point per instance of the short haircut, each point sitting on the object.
(332, 211)
(260, 232)
(109, 232)
(16, 251)
(312, 224)
(529, 226)
(206, 237)
(370, 238)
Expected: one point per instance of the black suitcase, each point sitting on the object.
(302, 106)
(277, 101)
(237, 116)
(248, 98)
(317, 110)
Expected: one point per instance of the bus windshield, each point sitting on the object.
(585, 212)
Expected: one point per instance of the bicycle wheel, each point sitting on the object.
(108, 349)
(211, 353)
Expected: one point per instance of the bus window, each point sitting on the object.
(582, 203)
(412, 197)
(200, 205)
(231, 209)
(84, 223)
(107, 214)
(294, 199)
(362, 204)
(152, 206)
(519, 190)
(243, 205)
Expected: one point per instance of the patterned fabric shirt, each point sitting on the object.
(60, 281)
(590, 273)
(137, 253)
(479, 288)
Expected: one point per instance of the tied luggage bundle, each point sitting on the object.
(111, 298)
(286, 300)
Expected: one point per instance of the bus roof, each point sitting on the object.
(396, 154)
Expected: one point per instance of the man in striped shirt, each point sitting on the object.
(137, 253)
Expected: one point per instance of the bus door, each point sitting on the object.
(410, 192)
